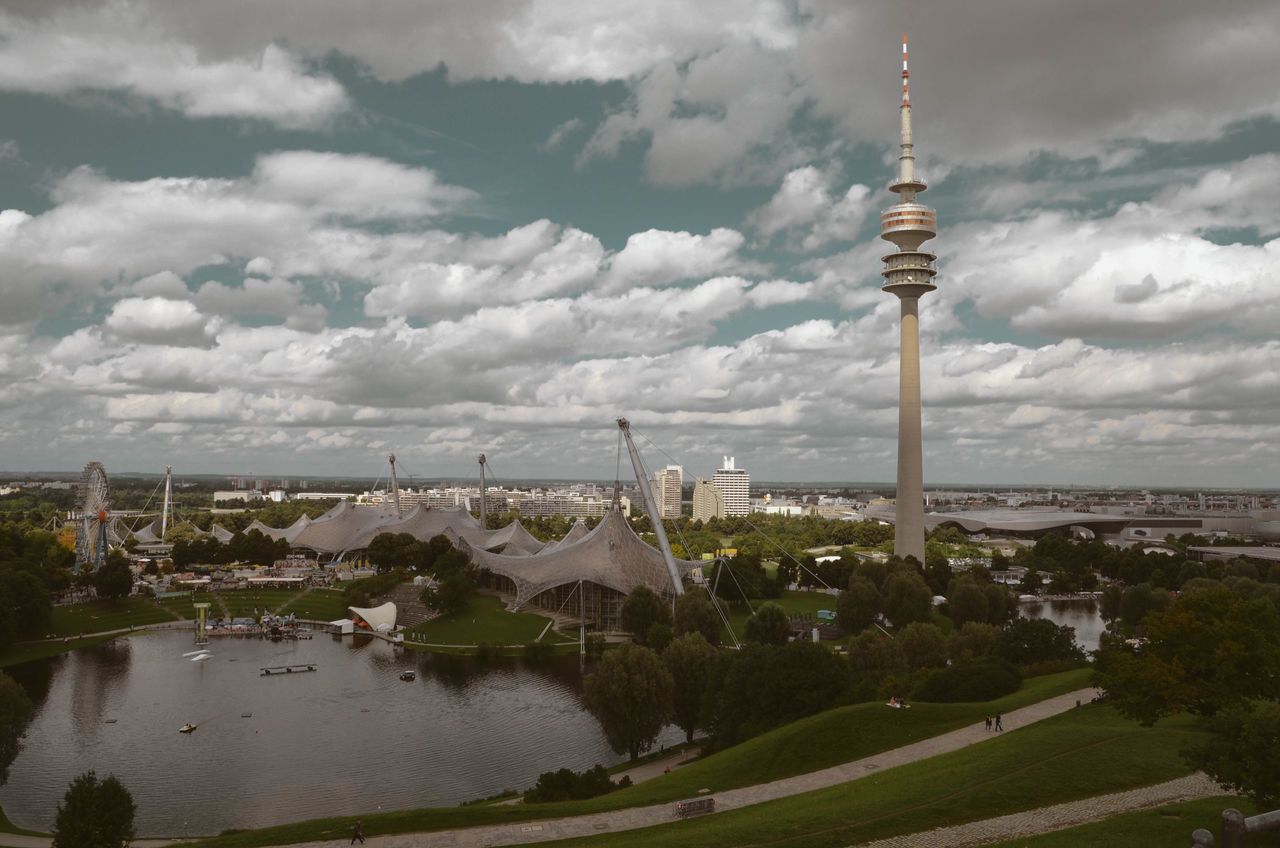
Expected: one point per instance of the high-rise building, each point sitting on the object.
(735, 485)
(708, 502)
(666, 486)
(908, 275)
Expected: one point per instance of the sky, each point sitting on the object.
(290, 238)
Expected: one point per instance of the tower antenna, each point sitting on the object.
(908, 275)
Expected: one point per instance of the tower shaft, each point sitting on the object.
(908, 527)
(908, 274)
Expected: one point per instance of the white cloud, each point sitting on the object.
(661, 257)
(352, 185)
(100, 230)
(159, 321)
(442, 274)
(803, 195)
(115, 46)
(804, 206)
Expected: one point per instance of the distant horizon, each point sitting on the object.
(420, 480)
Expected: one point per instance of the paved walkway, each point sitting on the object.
(1058, 817)
(638, 817)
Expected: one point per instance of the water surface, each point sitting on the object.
(348, 738)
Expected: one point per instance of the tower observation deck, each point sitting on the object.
(908, 224)
(908, 274)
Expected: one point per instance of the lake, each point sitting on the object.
(1080, 613)
(348, 738)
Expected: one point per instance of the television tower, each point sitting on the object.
(908, 275)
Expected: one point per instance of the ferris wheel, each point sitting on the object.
(91, 521)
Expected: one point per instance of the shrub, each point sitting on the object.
(566, 785)
(978, 681)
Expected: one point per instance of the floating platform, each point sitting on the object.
(287, 669)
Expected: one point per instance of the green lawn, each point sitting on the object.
(830, 738)
(101, 616)
(806, 602)
(767, 757)
(318, 605)
(240, 603)
(484, 621)
(180, 607)
(1161, 826)
(1084, 752)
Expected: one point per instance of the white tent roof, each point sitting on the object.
(379, 618)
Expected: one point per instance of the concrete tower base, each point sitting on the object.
(908, 531)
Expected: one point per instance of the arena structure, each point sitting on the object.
(348, 529)
(586, 574)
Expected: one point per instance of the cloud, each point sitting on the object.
(560, 134)
(660, 257)
(802, 196)
(804, 205)
(361, 187)
(159, 321)
(100, 230)
(445, 274)
(117, 47)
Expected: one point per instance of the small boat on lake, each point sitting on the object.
(186, 728)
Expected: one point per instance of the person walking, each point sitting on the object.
(356, 833)
(988, 722)
(999, 722)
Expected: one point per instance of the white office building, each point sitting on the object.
(735, 485)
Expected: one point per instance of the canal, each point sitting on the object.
(350, 737)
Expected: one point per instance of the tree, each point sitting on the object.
(1242, 754)
(873, 657)
(691, 660)
(907, 598)
(450, 595)
(694, 614)
(966, 601)
(769, 625)
(974, 641)
(642, 609)
(1137, 602)
(924, 645)
(15, 710)
(1033, 640)
(26, 604)
(765, 686)
(630, 695)
(1210, 649)
(114, 579)
(859, 606)
(94, 814)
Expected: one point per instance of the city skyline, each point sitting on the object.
(291, 240)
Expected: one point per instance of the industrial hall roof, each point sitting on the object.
(611, 555)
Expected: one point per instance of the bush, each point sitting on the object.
(566, 785)
(979, 681)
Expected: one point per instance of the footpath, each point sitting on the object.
(975, 833)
